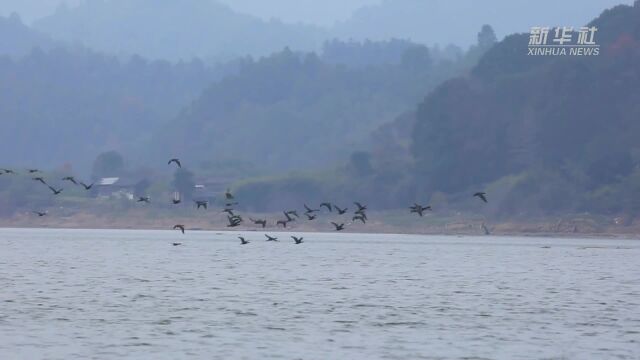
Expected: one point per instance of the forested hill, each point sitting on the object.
(293, 111)
(543, 133)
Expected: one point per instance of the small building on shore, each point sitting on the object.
(120, 187)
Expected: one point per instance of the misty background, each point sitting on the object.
(288, 101)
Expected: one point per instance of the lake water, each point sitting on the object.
(82, 294)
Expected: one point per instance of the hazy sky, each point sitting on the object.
(426, 21)
(30, 10)
(319, 12)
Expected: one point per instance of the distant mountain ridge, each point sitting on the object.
(173, 30)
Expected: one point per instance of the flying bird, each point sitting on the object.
(39, 178)
(419, 209)
(70, 178)
(310, 210)
(282, 222)
(339, 227)
(203, 204)
(179, 226)
(362, 213)
(242, 241)
(298, 240)
(340, 211)
(271, 238)
(8, 171)
(481, 195)
(177, 161)
(288, 216)
(85, 186)
(31, 171)
(311, 217)
(144, 199)
(327, 205)
(359, 217)
(292, 212)
(55, 191)
(176, 201)
(360, 206)
(40, 213)
(262, 222)
(234, 220)
(176, 244)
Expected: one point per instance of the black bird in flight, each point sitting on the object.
(176, 201)
(40, 213)
(327, 205)
(228, 195)
(310, 210)
(288, 216)
(176, 244)
(292, 212)
(298, 240)
(311, 217)
(70, 178)
(339, 227)
(481, 195)
(144, 199)
(39, 178)
(230, 204)
(242, 241)
(271, 238)
(234, 221)
(8, 171)
(419, 209)
(179, 226)
(360, 206)
(362, 213)
(340, 211)
(282, 222)
(262, 222)
(31, 171)
(85, 186)
(359, 217)
(177, 161)
(54, 190)
(203, 204)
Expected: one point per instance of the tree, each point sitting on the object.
(486, 37)
(184, 183)
(109, 163)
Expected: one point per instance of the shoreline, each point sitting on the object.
(580, 227)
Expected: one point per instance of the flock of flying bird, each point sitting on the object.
(234, 219)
